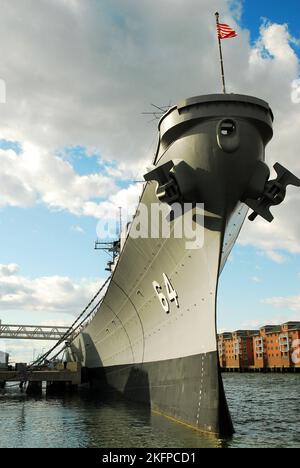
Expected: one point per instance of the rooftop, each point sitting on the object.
(292, 325)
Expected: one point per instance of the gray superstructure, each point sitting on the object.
(164, 352)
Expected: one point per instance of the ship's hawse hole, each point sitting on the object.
(227, 128)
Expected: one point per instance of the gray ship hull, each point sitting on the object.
(168, 358)
(187, 389)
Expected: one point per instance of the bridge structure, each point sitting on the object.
(32, 332)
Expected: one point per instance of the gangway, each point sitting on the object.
(32, 332)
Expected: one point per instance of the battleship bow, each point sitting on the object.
(154, 336)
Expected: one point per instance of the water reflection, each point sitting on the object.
(112, 422)
(265, 411)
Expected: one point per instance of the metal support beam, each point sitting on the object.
(31, 332)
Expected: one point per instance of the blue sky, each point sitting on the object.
(276, 11)
(248, 279)
(50, 232)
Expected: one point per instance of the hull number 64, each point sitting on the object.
(171, 293)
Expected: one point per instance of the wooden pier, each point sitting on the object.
(56, 378)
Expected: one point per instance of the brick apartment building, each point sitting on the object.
(236, 349)
(276, 346)
(271, 347)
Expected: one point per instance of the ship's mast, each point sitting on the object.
(111, 247)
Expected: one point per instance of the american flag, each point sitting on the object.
(225, 31)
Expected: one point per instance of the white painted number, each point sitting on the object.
(161, 297)
(172, 294)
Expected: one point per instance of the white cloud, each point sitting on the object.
(126, 198)
(274, 320)
(275, 256)
(291, 303)
(295, 93)
(282, 234)
(275, 39)
(101, 64)
(73, 5)
(37, 176)
(9, 270)
(93, 74)
(43, 294)
(77, 229)
(277, 71)
(23, 350)
(133, 171)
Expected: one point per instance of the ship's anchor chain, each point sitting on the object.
(274, 191)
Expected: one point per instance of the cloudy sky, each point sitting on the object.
(78, 74)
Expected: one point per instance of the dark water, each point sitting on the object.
(265, 410)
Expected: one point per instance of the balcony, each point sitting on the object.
(284, 344)
(259, 346)
(283, 338)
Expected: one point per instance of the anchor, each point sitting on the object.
(273, 193)
(168, 190)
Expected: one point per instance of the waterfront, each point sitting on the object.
(265, 409)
